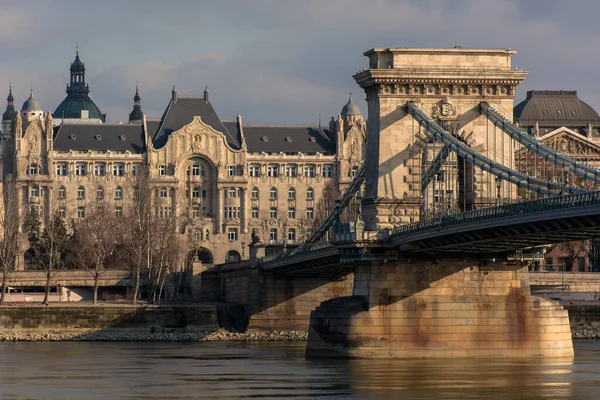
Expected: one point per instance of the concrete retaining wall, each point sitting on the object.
(81, 319)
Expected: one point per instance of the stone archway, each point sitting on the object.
(200, 254)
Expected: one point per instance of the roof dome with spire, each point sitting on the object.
(78, 104)
(350, 108)
(10, 106)
(31, 104)
(136, 114)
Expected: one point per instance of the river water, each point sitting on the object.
(208, 370)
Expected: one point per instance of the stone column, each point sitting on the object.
(244, 210)
(219, 212)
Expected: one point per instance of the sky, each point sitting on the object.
(276, 61)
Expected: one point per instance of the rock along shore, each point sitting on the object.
(586, 333)
(219, 336)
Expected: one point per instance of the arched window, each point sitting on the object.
(99, 193)
(291, 194)
(80, 193)
(310, 194)
(254, 195)
(196, 192)
(118, 193)
(62, 193)
(232, 256)
(273, 194)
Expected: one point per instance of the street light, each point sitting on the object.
(498, 186)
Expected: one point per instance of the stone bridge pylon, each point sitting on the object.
(409, 176)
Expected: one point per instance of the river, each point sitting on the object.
(168, 370)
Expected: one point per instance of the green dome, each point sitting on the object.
(72, 106)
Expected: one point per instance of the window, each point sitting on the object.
(291, 194)
(196, 169)
(273, 194)
(80, 193)
(136, 169)
(162, 170)
(273, 212)
(196, 192)
(232, 234)
(198, 234)
(136, 193)
(255, 170)
(231, 212)
(273, 234)
(203, 193)
(354, 171)
(254, 194)
(80, 169)
(61, 169)
(232, 256)
(34, 191)
(310, 213)
(327, 171)
(62, 212)
(119, 212)
(99, 193)
(81, 212)
(118, 193)
(231, 193)
(309, 171)
(291, 212)
(291, 171)
(291, 236)
(196, 212)
(254, 213)
(163, 211)
(231, 170)
(62, 193)
(273, 170)
(118, 169)
(100, 169)
(310, 194)
(163, 192)
(33, 169)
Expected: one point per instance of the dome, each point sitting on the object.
(31, 104)
(71, 108)
(554, 108)
(350, 108)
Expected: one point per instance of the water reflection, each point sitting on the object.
(277, 370)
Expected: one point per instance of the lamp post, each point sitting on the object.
(498, 186)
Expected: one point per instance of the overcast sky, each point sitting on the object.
(276, 61)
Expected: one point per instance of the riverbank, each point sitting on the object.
(219, 336)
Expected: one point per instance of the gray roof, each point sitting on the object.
(99, 137)
(287, 139)
(31, 104)
(554, 108)
(350, 108)
(182, 111)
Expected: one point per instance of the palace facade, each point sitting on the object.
(231, 182)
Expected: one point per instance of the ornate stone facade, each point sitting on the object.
(226, 179)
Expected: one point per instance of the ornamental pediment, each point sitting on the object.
(571, 143)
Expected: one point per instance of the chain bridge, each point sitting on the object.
(449, 188)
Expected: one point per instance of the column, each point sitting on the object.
(219, 211)
(244, 210)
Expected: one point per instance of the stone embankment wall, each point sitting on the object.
(274, 302)
(118, 318)
(581, 282)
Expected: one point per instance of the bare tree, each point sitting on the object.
(95, 241)
(10, 236)
(571, 251)
(49, 248)
(135, 232)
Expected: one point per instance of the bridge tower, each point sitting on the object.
(448, 84)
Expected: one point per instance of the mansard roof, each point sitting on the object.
(287, 139)
(115, 137)
(181, 111)
(554, 108)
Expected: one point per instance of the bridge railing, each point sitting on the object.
(529, 207)
(295, 252)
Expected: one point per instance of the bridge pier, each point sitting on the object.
(439, 309)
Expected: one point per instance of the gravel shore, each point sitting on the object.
(586, 333)
(219, 336)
